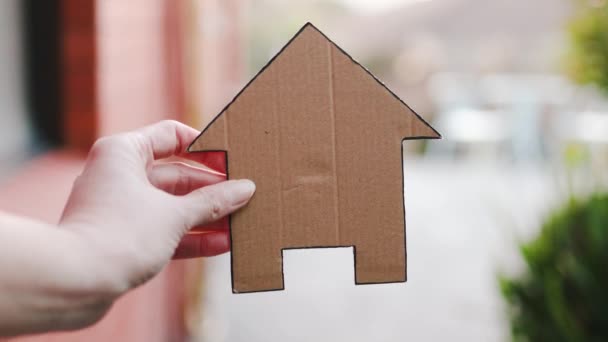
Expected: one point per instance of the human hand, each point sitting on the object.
(132, 211)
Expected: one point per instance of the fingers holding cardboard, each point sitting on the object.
(213, 202)
(179, 179)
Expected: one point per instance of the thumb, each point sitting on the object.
(213, 202)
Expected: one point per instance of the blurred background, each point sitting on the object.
(507, 223)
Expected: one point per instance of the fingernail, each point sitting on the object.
(241, 191)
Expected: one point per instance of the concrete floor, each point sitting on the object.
(463, 223)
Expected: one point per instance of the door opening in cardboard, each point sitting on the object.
(318, 269)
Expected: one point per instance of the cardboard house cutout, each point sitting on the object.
(322, 139)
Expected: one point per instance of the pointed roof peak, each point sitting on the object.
(308, 27)
(311, 27)
(304, 33)
(309, 24)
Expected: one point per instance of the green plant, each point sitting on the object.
(563, 293)
(587, 60)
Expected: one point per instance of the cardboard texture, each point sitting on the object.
(322, 139)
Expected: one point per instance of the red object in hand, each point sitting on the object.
(215, 160)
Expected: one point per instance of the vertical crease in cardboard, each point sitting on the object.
(279, 138)
(332, 109)
(226, 118)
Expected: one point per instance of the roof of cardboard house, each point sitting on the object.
(298, 56)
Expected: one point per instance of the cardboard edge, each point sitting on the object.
(438, 135)
(282, 288)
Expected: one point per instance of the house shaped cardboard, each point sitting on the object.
(322, 139)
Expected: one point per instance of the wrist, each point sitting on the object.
(50, 280)
(102, 275)
(88, 287)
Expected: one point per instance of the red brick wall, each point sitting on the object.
(121, 66)
(79, 48)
